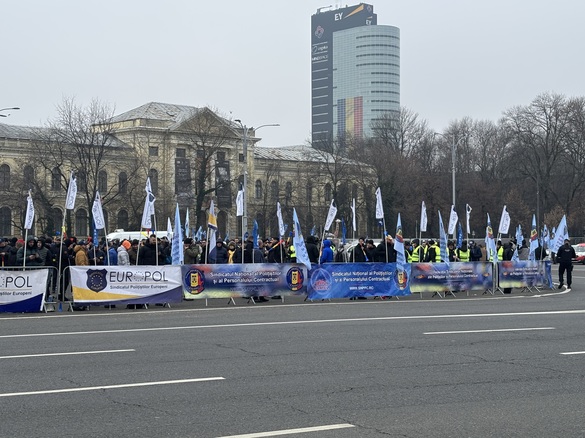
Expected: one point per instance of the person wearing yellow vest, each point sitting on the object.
(433, 253)
(499, 252)
(464, 253)
(416, 254)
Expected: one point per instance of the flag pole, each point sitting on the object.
(384, 238)
(24, 251)
(155, 241)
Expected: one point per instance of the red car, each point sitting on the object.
(580, 251)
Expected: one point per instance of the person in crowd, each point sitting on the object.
(191, 251)
(95, 253)
(417, 252)
(133, 251)
(254, 255)
(15, 245)
(370, 250)
(312, 249)
(80, 250)
(165, 251)
(112, 258)
(433, 252)
(385, 251)
(219, 254)
(4, 252)
(358, 253)
(147, 253)
(123, 257)
(464, 253)
(507, 255)
(475, 252)
(326, 252)
(451, 251)
(565, 256)
(291, 252)
(234, 256)
(276, 251)
(33, 257)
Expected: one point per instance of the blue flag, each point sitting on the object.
(199, 234)
(343, 231)
(255, 234)
(95, 233)
(459, 235)
(177, 243)
(519, 239)
(490, 243)
(299, 242)
(443, 241)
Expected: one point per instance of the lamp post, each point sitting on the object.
(8, 109)
(245, 154)
(453, 160)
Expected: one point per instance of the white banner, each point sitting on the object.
(22, 291)
(504, 226)
(423, 218)
(453, 218)
(126, 284)
(330, 216)
(30, 212)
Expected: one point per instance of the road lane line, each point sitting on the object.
(291, 431)
(96, 388)
(489, 331)
(301, 322)
(573, 352)
(66, 354)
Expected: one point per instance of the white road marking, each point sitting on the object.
(66, 354)
(291, 431)
(316, 321)
(489, 331)
(573, 352)
(96, 388)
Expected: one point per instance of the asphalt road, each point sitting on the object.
(477, 366)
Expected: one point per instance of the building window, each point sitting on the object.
(5, 221)
(258, 192)
(221, 157)
(123, 183)
(153, 151)
(81, 181)
(123, 219)
(102, 181)
(55, 179)
(5, 177)
(81, 222)
(55, 221)
(274, 190)
(181, 153)
(29, 176)
(153, 175)
(328, 192)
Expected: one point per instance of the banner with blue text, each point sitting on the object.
(455, 276)
(22, 291)
(525, 273)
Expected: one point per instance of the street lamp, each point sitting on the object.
(245, 154)
(8, 109)
(453, 159)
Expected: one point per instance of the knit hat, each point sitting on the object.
(126, 244)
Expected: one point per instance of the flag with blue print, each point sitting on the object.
(459, 235)
(533, 239)
(399, 246)
(299, 242)
(177, 254)
(443, 241)
(255, 233)
(490, 243)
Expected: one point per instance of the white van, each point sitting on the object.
(139, 235)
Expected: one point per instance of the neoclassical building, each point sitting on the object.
(191, 156)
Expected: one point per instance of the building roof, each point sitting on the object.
(175, 115)
(296, 153)
(20, 132)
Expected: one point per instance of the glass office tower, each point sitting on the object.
(355, 75)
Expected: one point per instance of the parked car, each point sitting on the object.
(580, 251)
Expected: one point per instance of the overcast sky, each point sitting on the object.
(251, 59)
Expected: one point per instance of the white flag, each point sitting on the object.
(561, 233)
(423, 218)
(169, 228)
(330, 216)
(379, 206)
(98, 213)
(281, 229)
(148, 210)
(30, 212)
(504, 222)
(187, 226)
(240, 202)
(453, 218)
(468, 214)
(71, 193)
(353, 215)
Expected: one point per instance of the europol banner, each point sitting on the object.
(126, 284)
(22, 291)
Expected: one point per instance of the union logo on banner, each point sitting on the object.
(96, 279)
